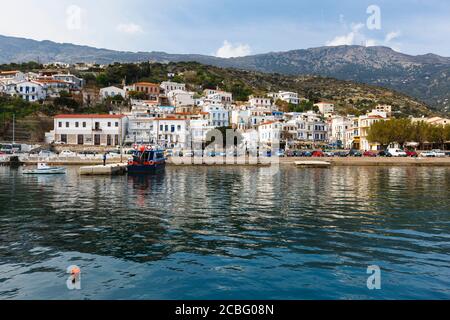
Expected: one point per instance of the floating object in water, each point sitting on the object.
(43, 168)
(313, 164)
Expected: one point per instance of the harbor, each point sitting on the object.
(213, 232)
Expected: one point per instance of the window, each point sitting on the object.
(172, 129)
(77, 124)
(109, 124)
(60, 124)
(179, 128)
(161, 128)
(84, 124)
(67, 124)
(117, 124)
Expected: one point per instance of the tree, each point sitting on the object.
(380, 132)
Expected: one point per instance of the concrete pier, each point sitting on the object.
(108, 170)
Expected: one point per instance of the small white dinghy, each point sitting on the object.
(43, 168)
(313, 164)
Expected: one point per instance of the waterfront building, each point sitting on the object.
(339, 125)
(171, 132)
(90, 130)
(311, 128)
(358, 132)
(269, 133)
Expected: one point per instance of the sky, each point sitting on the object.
(228, 28)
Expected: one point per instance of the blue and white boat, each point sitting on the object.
(146, 159)
(43, 168)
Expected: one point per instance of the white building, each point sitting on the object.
(269, 133)
(325, 108)
(90, 130)
(181, 98)
(31, 91)
(171, 132)
(339, 126)
(78, 83)
(260, 102)
(287, 96)
(12, 76)
(310, 127)
(358, 132)
(112, 92)
(219, 116)
(168, 86)
(218, 96)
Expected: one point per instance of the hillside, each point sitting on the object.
(349, 97)
(425, 77)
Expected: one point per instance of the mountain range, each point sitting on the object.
(424, 77)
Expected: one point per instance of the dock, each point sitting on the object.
(108, 170)
(313, 164)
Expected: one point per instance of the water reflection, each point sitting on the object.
(287, 235)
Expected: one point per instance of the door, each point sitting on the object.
(108, 140)
(97, 139)
(80, 139)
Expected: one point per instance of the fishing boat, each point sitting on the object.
(146, 159)
(43, 168)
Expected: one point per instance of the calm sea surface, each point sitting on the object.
(227, 233)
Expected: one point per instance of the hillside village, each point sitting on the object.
(179, 116)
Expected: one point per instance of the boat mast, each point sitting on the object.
(14, 129)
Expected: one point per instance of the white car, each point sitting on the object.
(397, 153)
(428, 154)
(67, 154)
(439, 153)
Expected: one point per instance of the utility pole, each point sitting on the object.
(14, 129)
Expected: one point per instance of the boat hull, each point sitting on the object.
(46, 171)
(143, 169)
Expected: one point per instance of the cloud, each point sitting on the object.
(392, 35)
(130, 28)
(348, 39)
(229, 50)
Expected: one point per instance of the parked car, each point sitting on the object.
(46, 154)
(384, 153)
(355, 153)
(428, 154)
(280, 153)
(370, 154)
(438, 153)
(67, 154)
(318, 154)
(411, 153)
(342, 154)
(397, 152)
(307, 154)
(329, 154)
